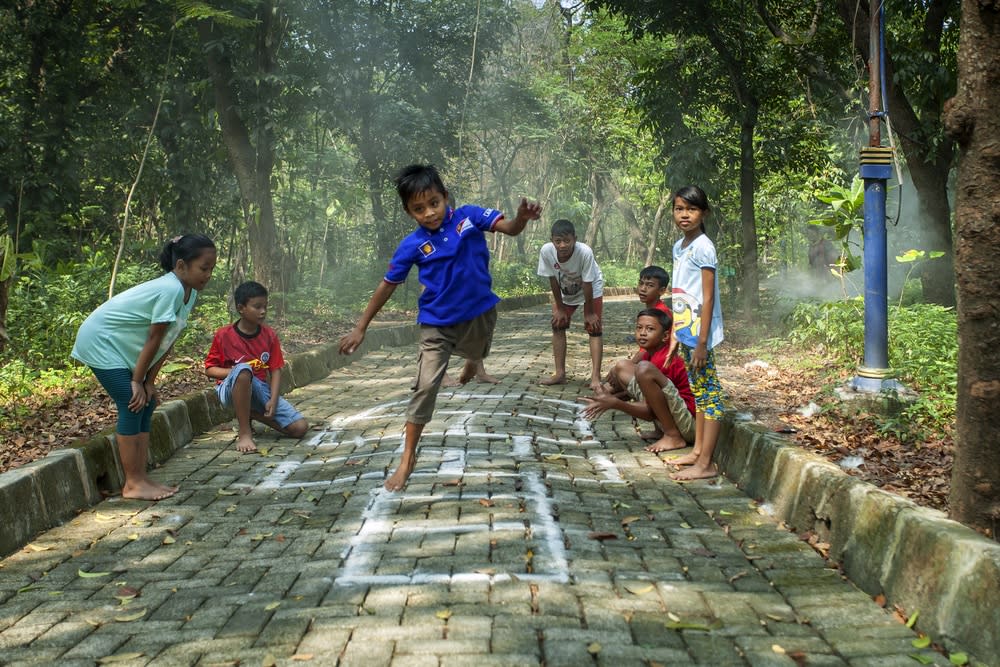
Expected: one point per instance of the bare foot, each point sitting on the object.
(448, 381)
(667, 443)
(170, 490)
(468, 371)
(695, 472)
(555, 379)
(686, 460)
(655, 434)
(596, 387)
(146, 490)
(246, 444)
(486, 377)
(398, 479)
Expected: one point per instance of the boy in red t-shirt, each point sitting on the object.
(657, 383)
(653, 284)
(245, 360)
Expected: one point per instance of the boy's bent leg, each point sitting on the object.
(397, 480)
(651, 383)
(559, 357)
(596, 359)
(241, 394)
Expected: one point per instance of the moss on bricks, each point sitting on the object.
(867, 520)
(976, 590)
(199, 414)
(62, 485)
(21, 514)
(100, 459)
(169, 431)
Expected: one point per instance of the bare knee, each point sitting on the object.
(297, 428)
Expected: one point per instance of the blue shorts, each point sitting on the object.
(118, 383)
(260, 394)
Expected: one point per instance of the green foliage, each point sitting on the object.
(923, 351)
(844, 214)
(516, 279)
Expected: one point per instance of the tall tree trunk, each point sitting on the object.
(973, 121)
(928, 160)
(654, 232)
(251, 164)
(596, 208)
(751, 276)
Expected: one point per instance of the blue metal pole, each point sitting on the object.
(876, 169)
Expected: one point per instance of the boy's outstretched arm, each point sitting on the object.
(527, 210)
(350, 342)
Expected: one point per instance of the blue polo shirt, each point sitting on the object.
(453, 265)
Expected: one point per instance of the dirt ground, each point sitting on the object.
(784, 392)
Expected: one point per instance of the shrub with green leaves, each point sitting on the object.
(923, 351)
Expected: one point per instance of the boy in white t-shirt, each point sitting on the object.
(575, 280)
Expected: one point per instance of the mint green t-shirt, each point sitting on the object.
(113, 335)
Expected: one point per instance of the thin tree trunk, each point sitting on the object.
(973, 121)
(251, 165)
(654, 232)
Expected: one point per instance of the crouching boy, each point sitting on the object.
(245, 360)
(655, 385)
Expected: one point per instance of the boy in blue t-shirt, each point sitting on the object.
(457, 310)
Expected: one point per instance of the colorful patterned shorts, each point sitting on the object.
(705, 385)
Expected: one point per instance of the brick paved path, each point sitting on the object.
(525, 537)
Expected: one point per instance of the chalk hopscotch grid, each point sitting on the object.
(373, 539)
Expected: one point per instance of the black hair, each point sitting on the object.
(247, 291)
(665, 319)
(656, 272)
(563, 227)
(695, 196)
(186, 247)
(415, 179)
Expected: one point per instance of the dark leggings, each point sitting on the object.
(118, 383)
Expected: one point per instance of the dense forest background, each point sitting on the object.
(276, 126)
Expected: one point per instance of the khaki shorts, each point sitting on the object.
(678, 408)
(470, 340)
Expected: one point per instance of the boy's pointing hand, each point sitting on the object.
(529, 210)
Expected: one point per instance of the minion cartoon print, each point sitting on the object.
(687, 317)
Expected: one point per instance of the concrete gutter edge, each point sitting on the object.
(916, 557)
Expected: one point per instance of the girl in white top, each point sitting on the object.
(697, 326)
(126, 340)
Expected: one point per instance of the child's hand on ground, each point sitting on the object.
(597, 405)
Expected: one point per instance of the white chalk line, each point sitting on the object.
(373, 540)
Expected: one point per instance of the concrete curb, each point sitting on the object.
(887, 545)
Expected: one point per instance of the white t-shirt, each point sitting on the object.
(113, 335)
(687, 291)
(580, 268)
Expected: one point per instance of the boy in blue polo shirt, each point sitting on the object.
(457, 310)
